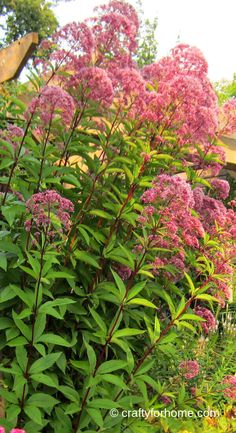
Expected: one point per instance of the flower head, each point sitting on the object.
(17, 430)
(12, 135)
(190, 369)
(51, 101)
(230, 389)
(221, 187)
(93, 83)
(210, 323)
(44, 207)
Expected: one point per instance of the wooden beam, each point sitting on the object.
(14, 58)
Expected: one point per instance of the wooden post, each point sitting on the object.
(14, 57)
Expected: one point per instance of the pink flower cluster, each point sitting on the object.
(52, 100)
(228, 117)
(123, 271)
(210, 323)
(185, 100)
(115, 31)
(171, 200)
(189, 369)
(220, 223)
(46, 205)
(12, 135)
(221, 188)
(93, 83)
(14, 430)
(230, 389)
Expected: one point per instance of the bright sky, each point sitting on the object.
(208, 24)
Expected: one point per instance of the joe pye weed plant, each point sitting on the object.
(114, 245)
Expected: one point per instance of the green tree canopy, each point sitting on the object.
(20, 17)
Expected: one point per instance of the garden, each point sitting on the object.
(117, 239)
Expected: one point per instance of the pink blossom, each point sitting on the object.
(123, 271)
(165, 399)
(230, 389)
(12, 135)
(115, 30)
(185, 100)
(190, 369)
(52, 100)
(42, 206)
(93, 83)
(2, 429)
(228, 117)
(221, 188)
(17, 430)
(210, 321)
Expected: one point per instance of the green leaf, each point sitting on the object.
(26, 296)
(3, 261)
(119, 283)
(110, 366)
(98, 320)
(55, 339)
(141, 301)
(103, 403)
(80, 365)
(91, 356)
(44, 379)
(12, 412)
(25, 330)
(22, 357)
(18, 341)
(70, 393)
(115, 380)
(44, 363)
(190, 282)
(84, 257)
(33, 413)
(42, 400)
(8, 396)
(5, 323)
(194, 317)
(157, 328)
(136, 289)
(101, 214)
(95, 414)
(207, 297)
(127, 332)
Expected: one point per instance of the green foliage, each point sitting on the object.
(147, 41)
(25, 16)
(88, 324)
(226, 89)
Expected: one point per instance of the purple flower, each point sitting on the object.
(210, 321)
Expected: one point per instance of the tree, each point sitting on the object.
(226, 89)
(24, 16)
(147, 44)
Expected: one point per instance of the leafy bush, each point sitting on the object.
(116, 251)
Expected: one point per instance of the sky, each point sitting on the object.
(207, 24)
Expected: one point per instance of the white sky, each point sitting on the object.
(208, 24)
